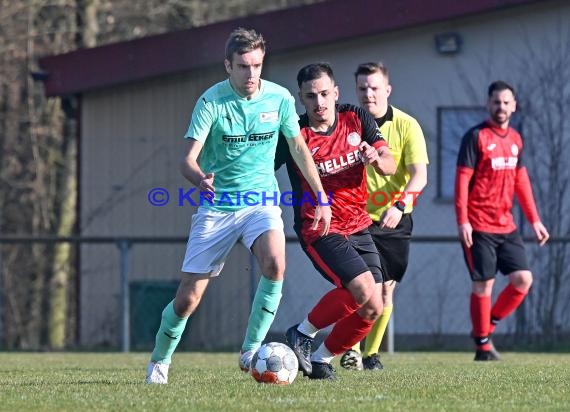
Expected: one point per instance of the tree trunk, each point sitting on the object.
(62, 254)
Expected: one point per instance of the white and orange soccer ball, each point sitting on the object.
(274, 362)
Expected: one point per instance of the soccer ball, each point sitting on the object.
(274, 362)
(352, 360)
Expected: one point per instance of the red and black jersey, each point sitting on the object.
(490, 170)
(343, 174)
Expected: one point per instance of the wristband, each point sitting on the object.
(401, 206)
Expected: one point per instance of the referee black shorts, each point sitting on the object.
(341, 258)
(492, 252)
(394, 247)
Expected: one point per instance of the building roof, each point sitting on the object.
(288, 29)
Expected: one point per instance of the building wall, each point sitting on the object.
(131, 143)
(433, 299)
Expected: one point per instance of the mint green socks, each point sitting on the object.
(263, 312)
(168, 335)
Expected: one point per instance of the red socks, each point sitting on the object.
(347, 332)
(339, 307)
(484, 319)
(480, 309)
(333, 306)
(509, 299)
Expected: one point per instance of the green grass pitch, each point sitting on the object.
(411, 381)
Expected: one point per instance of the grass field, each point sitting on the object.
(199, 382)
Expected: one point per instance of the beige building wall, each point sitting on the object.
(132, 142)
(433, 299)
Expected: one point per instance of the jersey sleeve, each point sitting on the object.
(462, 179)
(468, 151)
(523, 191)
(201, 122)
(466, 162)
(416, 150)
(282, 154)
(289, 118)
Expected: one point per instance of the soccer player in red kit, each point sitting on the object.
(490, 171)
(342, 139)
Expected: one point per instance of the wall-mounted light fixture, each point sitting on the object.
(448, 43)
(39, 75)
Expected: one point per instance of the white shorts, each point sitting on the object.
(214, 233)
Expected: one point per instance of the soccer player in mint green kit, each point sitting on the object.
(232, 140)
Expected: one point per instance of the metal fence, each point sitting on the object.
(126, 244)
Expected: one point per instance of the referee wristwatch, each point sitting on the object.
(400, 205)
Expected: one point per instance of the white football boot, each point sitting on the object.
(245, 360)
(157, 373)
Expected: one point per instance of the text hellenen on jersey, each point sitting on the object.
(338, 164)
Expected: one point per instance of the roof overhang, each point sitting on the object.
(299, 27)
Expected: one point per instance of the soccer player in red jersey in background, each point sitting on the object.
(343, 139)
(490, 171)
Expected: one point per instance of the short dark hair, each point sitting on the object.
(243, 41)
(314, 71)
(371, 68)
(499, 86)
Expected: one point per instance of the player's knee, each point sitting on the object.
(273, 267)
(188, 296)
(183, 305)
(521, 279)
(483, 288)
(361, 292)
(363, 287)
(372, 309)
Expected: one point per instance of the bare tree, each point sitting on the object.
(544, 99)
(31, 162)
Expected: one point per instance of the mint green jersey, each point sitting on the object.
(239, 138)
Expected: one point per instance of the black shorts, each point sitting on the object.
(492, 252)
(339, 259)
(394, 247)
